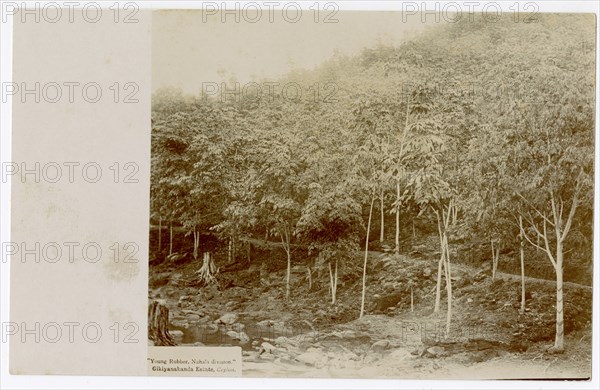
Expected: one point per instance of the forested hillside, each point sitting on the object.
(471, 145)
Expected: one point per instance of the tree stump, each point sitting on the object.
(208, 270)
(158, 325)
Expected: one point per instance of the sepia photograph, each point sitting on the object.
(374, 194)
(352, 194)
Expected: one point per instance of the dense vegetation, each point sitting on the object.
(479, 133)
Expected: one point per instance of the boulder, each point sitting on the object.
(240, 336)
(228, 319)
(267, 348)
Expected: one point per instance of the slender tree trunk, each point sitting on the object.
(309, 277)
(448, 285)
(560, 328)
(381, 232)
(288, 273)
(170, 237)
(412, 300)
(495, 258)
(331, 284)
(561, 230)
(234, 247)
(443, 225)
(248, 252)
(335, 279)
(522, 253)
(364, 278)
(397, 249)
(195, 252)
(400, 155)
(285, 240)
(196, 243)
(159, 234)
(438, 288)
(493, 261)
(229, 252)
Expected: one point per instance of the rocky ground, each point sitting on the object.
(308, 336)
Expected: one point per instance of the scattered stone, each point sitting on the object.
(380, 345)
(282, 340)
(180, 323)
(267, 348)
(346, 334)
(176, 333)
(228, 318)
(240, 336)
(211, 328)
(434, 352)
(192, 314)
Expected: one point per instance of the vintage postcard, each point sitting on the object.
(300, 190)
